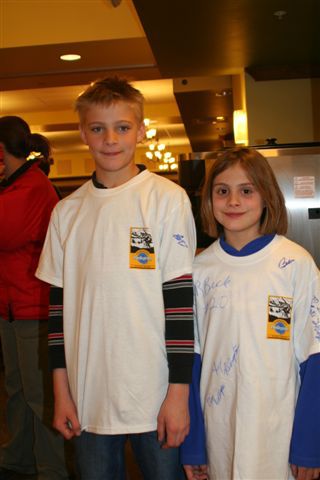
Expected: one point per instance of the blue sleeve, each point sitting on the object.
(193, 449)
(305, 440)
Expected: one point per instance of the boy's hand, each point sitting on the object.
(196, 472)
(65, 418)
(305, 473)
(173, 418)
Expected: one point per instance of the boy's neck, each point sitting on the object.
(115, 179)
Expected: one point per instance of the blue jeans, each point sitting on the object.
(102, 457)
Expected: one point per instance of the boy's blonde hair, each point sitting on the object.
(108, 91)
(274, 217)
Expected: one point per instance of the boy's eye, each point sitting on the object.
(123, 128)
(96, 129)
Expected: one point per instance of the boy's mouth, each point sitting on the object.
(110, 154)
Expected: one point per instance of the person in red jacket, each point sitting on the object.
(27, 198)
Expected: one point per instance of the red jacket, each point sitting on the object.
(26, 202)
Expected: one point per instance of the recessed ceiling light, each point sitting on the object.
(280, 14)
(70, 57)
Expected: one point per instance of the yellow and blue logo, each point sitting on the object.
(141, 248)
(279, 317)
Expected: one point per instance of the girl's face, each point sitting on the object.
(237, 206)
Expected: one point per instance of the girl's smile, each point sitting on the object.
(237, 206)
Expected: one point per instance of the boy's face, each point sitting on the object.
(111, 133)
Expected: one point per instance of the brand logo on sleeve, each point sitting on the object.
(180, 240)
(279, 317)
(141, 248)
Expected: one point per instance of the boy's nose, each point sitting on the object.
(110, 137)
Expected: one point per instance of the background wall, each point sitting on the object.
(281, 109)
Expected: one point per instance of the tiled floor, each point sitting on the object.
(133, 471)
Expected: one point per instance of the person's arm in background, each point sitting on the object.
(25, 212)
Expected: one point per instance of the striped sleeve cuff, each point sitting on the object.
(178, 303)
(55, 334)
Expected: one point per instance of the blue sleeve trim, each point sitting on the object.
(305, 440)
(193, 449)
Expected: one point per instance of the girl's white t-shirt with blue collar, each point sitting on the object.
(258, 334)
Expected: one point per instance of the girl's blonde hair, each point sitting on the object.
(274, 217)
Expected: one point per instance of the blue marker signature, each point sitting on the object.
(224, 367)
(216, 303)
(208, 285)
(215, 398)
(315, 307)
(284, 262)
(316, 327)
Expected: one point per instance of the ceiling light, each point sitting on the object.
(151, 133)
(240, 127)
(280, 14)
(70, 57)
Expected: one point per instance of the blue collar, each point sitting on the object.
(252, 247)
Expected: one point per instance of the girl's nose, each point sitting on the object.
(234, 198)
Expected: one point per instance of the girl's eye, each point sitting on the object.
(222, 191)
(247, 191)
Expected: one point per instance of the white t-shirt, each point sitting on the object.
(111, 250)
(257, 320)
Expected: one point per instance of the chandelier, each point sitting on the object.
(157, 151)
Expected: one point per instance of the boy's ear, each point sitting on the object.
(141, 132)
(82, 134)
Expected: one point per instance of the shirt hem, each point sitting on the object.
(119, 430)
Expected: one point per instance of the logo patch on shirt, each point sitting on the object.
(141, 248)
(279, 317)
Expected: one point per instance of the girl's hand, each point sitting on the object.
(196, 472)
(305, 473)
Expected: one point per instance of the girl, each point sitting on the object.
(257, 302)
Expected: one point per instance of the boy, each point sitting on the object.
(122, 247)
